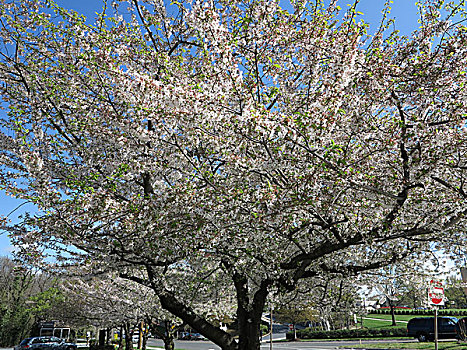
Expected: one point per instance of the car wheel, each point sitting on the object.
(422, 337)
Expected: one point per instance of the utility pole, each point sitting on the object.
(270, 325)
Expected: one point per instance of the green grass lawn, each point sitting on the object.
(381, 323)
(408, 317)
(383, 320)
(421, 346)
(372, 321)
(398, 317)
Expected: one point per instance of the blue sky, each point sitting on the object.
(404, 11)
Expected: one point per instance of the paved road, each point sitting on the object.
(325, 345)
(185, 344)
(275, 336)
(206, 345)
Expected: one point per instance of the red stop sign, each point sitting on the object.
(436, 298)
(436, 293)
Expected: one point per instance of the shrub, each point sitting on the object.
(309, 333)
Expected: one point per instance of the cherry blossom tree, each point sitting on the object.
(109, 301)
(232, 148)
(105, 304)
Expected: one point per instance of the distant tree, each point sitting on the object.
(330, 302)
(165, 329)
(413, 292)
(107, 303)
(112, 302)
(16, 317)
(340, 303)
(296, 311)
(26, 297)
(454, 292)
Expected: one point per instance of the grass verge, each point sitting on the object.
(403, 346)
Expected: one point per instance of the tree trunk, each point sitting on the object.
(170, 302)
(167, 336)
(215, 334)
(248, 334)
(145, 334)
(393, 315)
(102, 336)
(169, 341)
(128, 336)
(170, 333)
(249, 312)
(120, 339)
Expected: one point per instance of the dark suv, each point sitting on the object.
(423, 328)
(45, 343)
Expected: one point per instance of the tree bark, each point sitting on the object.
(145, 334)
(248, 317)
(249, 312)
(120, 339)
(393, 315)
(170, 303)
(249, 335)
(169, 341)
(216, 335)
(128, 336)
(167, 335)
(102, 336)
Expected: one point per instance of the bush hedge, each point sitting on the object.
(442, 312)
(309, 333)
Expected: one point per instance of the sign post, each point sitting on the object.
(436, 299)
(436, 328)
(270, 325)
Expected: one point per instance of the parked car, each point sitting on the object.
(45, 343)
(190, 336)
(423, 328)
